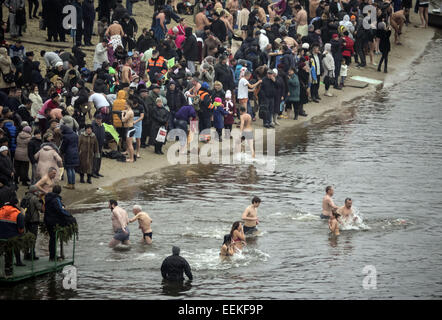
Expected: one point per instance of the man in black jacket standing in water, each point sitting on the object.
(173, 267)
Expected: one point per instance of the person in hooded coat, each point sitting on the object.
(190, 49)
(47, 157)
(21, 162)
(87, 149)
(175, 100)
(160, 116)
(69, 150)
(55, 214)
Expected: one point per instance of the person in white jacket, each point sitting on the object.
(329, 68)
(263, 40)
(100, 55)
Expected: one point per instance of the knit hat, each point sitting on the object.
(218, 99)
(305, 46)
(3, 148)
(27, 129)
(24, 124)
(205, 85)
(58, 64)
(228, 94)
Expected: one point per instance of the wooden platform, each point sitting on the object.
(40, 267)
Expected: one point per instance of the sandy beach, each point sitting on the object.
(116, 174)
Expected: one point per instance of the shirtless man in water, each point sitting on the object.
(246, 129)
(120, 222)
(328, 206)
(250, 217)
(47, 182)
(144, 222)
(346, 210)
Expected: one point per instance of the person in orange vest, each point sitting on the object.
(156, 64)
(205, 111)
(118, 107)
(12, 224)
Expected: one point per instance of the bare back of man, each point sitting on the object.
(247, 130)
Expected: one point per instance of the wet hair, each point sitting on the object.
(235, 226)
(256, 200)
(137, 207)
(347, 199)
(242, 109)
(175, 251)
(327, 189)
(112, 201)
(227, 239)
(56, 189)
(51, 169)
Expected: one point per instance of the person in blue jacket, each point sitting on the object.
(218, 117)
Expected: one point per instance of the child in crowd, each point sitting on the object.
(343, 73)
(218, 116)
(229, 120)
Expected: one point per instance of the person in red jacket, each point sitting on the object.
(348, 50)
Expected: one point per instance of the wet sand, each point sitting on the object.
(118, 174)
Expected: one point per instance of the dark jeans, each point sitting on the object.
(315, 88)
(79, 35)
(297, 106)
(35, 4)
(21, 170)
(97, 165)
(338, 62)
(145, 131)
(204, 122)
(359, 44)
(52, 243)
(52, 35)
(129, 6)
(70, 172)
(158, 146)
(384, 59)
(88, 30)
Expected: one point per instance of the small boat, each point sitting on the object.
(435, 16)
(35, 268)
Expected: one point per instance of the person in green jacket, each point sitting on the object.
(293, 94)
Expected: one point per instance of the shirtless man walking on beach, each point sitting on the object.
(144, 222)
(328, 206)
(246, 129)
(120, 220)
(250, 217)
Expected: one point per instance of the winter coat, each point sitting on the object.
(190, 46)
(230, 107)
(33, 147)
(384, 44)
(329, 65)
(69, 147)
(33, 209)
(159, 118)
(303, 77)
(54, 211)
(6, 67)
(218, 117)
(48, 157)
(87, 149)
(118, 106)
(175, 100)
(6, 169)
(294, 89)
(21, 153)
(11, 133)
(224, 75)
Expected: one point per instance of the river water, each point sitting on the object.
(384, 151)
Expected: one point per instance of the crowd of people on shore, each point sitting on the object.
(252, 58)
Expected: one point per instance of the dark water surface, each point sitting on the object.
(384, 151)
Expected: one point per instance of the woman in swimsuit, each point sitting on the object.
(227, 249)
(237, 235)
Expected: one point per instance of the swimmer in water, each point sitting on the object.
(346, 211)
(333, 223)
(327, 203)
(227, 249)
(250, 217)
(120, 222)
(144, 222)
(237, 235)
